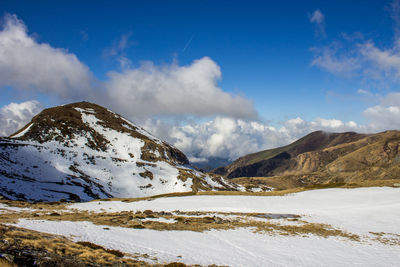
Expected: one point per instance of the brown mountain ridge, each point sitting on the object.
(322, 157)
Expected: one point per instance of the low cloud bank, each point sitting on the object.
(227, 137)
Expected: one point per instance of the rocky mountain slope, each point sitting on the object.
(83, 151)
(322, 157)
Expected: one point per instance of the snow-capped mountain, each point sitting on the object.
(83, 151)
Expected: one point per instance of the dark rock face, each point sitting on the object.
(261, 168)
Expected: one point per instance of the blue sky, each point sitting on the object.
(288, 59)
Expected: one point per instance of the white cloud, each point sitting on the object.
(14, 116)
(231, 138)
(318, 19)
(169, 90)
(363, 92)
(383, 62)
(364, 60)
(329, 59)
(392, 99)
(28, 65)
(174, 90)
(386, 115)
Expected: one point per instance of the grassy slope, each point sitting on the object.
(316, 159)
(312, 142)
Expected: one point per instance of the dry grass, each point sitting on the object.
(347, 158)
(188, 221)
(38, 205)
(58, 250)
(387, 238)
(6, 263)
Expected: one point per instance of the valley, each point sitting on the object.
(338, 226)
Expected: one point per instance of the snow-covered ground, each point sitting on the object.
(359, 211)
(240, 247)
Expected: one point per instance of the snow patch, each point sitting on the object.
(23, 132)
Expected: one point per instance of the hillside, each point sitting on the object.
(83, 151)
(322, 157)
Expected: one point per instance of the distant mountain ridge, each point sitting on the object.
(211, 163)
(322, 157)
(83, 151)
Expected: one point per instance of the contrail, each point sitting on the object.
(188, 43)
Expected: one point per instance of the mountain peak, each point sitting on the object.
(86, 124)
(90, 152)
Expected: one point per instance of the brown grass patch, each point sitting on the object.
(190, 221)
(114, 252)
(34, 205)
(387, 238)
(27, 246)
(147, 174)
(6, 263)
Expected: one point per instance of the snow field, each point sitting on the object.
(360, 211)
(357, 211)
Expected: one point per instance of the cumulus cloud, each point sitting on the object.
(383, 117)
(28, 65)
(386, 115)
(231, 138)
(142, 92)
(16, 115)
(318, 19)
(174, 90)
